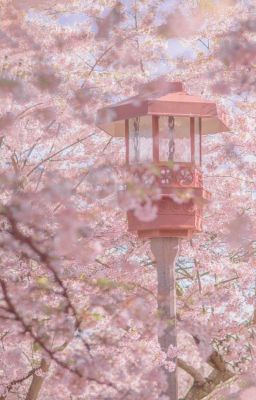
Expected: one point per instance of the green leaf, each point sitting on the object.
(42, 281)
(97, 316)
(105, 283)
(36, 347)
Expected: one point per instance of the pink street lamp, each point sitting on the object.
(165, 128)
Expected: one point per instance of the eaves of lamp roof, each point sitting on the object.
(170, 99)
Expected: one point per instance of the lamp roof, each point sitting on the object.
(168, 99)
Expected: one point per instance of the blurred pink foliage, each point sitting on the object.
(78, 304)
(248, 394)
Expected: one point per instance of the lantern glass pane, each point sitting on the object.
(174, 139)
(197, 142)
(140, 140)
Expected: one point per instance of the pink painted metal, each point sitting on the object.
(180, 206)
(192, 138)
(127, 141)
(155, 132)
(170, 99)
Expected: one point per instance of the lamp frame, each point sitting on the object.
(155, 139)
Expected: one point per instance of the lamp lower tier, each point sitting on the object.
(178, 233)
(172, 220)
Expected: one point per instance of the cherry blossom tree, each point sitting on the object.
(78, 305)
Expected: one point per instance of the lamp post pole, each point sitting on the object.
(165, 251)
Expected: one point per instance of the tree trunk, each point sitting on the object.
(36, 383)
(165, 251)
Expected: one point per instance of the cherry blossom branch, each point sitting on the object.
(44, 258)
(78, 141)
(22, 113)
(27, 328)
(137, 40)
(76, 186)
(219, 375)
(138, 286)
(102, 55)
(20, 380)
(204, 44)
(37, 382)
(2, 337)
(198, 377)
(98, 60)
